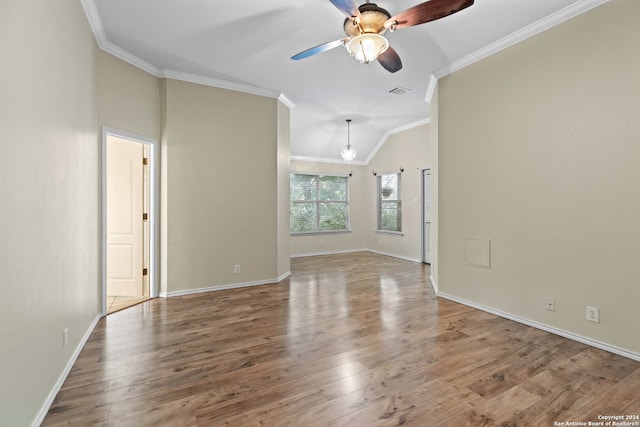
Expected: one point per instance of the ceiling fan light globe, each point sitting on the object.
(366, 47)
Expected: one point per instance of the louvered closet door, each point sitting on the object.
(426, 201)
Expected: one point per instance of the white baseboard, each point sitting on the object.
(598, 344)
(284, 276)
(63, 376)
(393, 255)
(434, 285)
(223, 287)
(279, 279)
(355, 250)
(348, 251)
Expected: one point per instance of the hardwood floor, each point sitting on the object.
(348, 340)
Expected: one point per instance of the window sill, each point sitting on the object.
(315, 233)
(393, 233)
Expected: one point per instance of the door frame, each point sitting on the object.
(422, 201)
(154, 209)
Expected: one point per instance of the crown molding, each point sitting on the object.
(537, 27)
(95, 22)
(326, 160)
(218, 83)
(130, 58)
(433, 83)
(393, 132)
(286, 101)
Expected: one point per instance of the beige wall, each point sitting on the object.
(220, 187)
(538, 152)
(197, 127)
(284, 154)
(50, 192)
(129, 101)
(411, 149)
(128, 98)
(435, 207)
(340, 242)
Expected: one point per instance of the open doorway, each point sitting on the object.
(128, 213)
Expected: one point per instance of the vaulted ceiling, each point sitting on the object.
(246, 45)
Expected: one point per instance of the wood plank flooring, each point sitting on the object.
(348, 340)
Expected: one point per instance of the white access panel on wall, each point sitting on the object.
(477, 252)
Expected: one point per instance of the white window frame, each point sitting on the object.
(380, 199)
(317, 203)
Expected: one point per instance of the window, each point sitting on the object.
(319, 203)
(389, 203)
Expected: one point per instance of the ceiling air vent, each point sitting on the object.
(399, 90)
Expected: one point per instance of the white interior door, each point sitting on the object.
(125, 225)
(426, 215)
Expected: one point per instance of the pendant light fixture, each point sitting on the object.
(348, 152)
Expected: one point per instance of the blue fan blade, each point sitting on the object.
(318, 49)
(349, 7)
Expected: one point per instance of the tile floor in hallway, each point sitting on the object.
(118, 302)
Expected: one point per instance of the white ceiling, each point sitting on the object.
(247, 45)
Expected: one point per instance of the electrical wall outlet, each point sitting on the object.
(65, 337)
(593, 314)
(236, 269)
(550, 304)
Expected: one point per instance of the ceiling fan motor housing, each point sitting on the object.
(372, 20)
